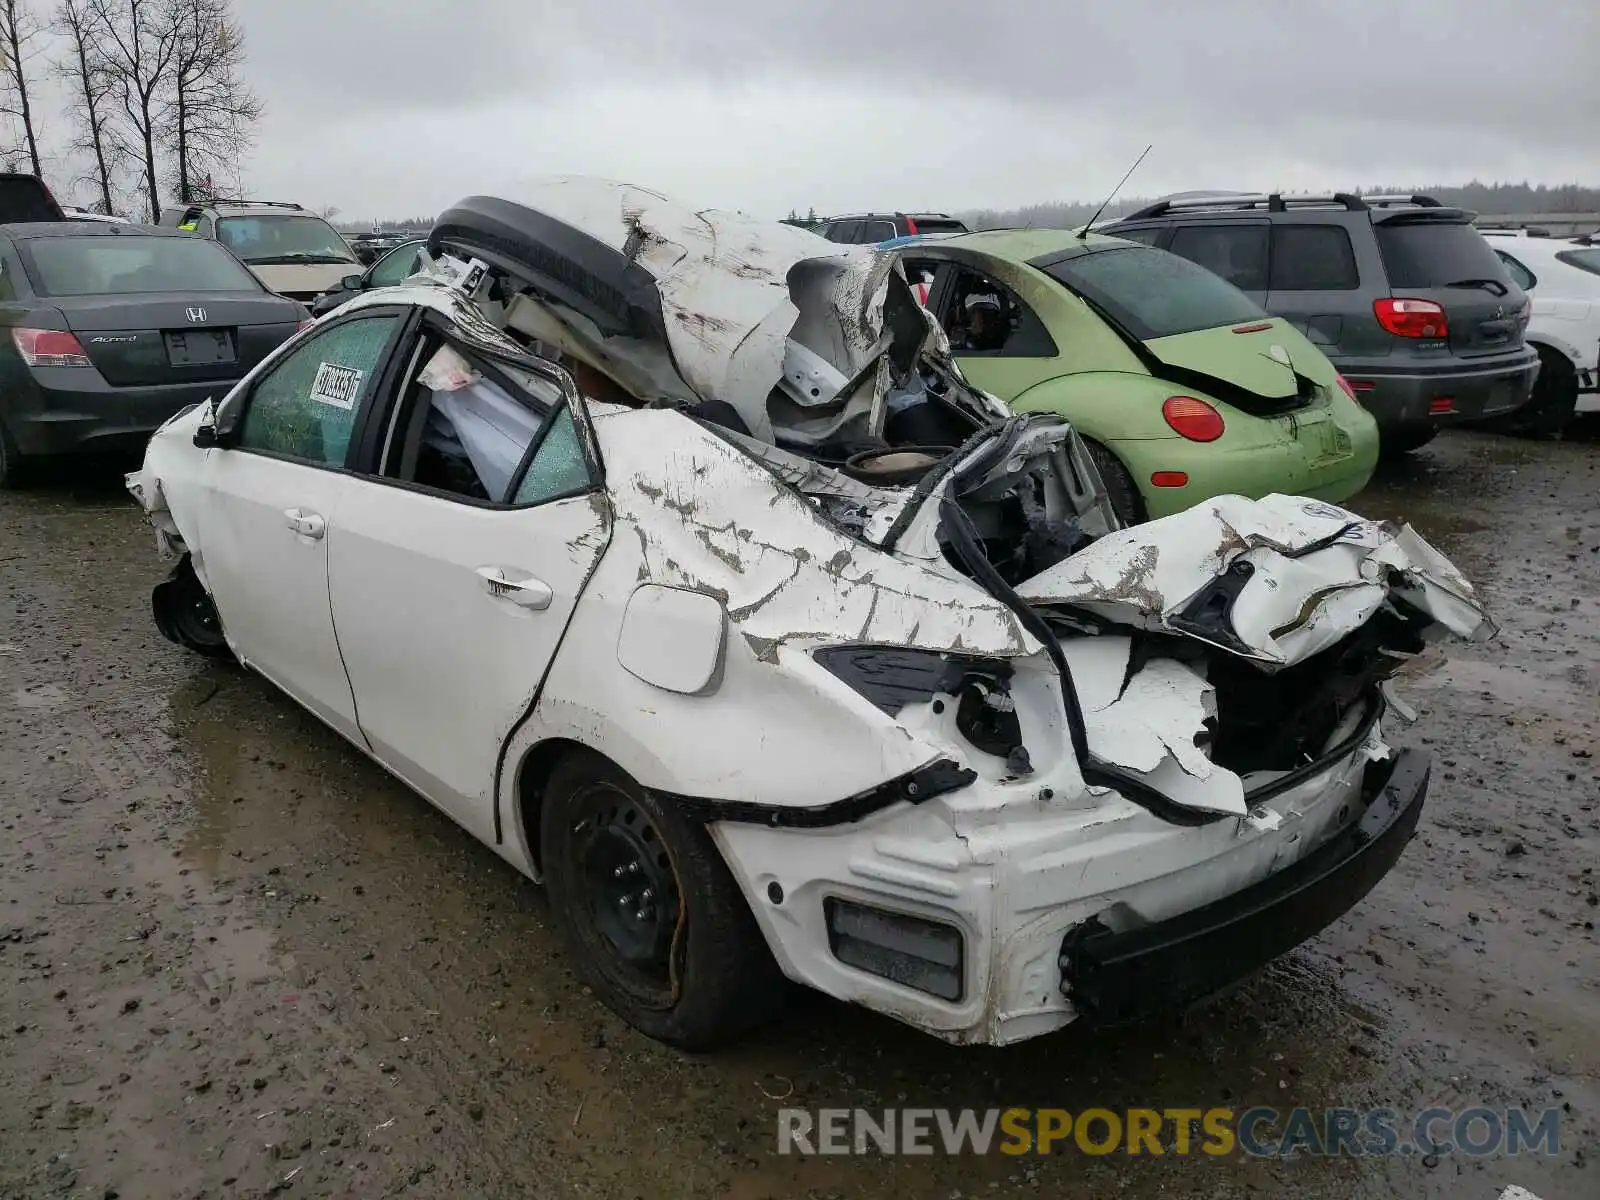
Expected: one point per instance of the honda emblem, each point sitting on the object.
(196, 315)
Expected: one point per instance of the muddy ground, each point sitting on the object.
(236, 958)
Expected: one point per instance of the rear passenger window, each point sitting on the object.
(1520, 275)
(306, 406)
(1238, 253)
(1313, 258)
(877, 231)
(492, 434)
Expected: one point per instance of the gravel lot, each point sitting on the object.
(236, 958)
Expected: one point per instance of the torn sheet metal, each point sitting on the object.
(738, 533)
(1287, 577)
(740, 300)
(1149, 723)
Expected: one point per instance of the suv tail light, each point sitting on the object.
(48, 347)
(305, 324)
(1411, 318)
(1193, 419)
(911, 225)
(1346, 388)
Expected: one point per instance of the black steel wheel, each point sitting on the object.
(650, 913)
(185, 614)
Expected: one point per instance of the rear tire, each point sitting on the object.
(1124, 496)
(649, 912)
(1554, 400)
(1392, 442)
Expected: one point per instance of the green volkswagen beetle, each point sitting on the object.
(1182, 385)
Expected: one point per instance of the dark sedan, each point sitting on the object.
(113, 328)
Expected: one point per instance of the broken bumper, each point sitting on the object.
(1119, 976)
(975, 894)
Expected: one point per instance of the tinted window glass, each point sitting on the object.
(877, 231)
(558, 467)
(939, 225)
(1313, 258)
(117, 265)
(1427, 254)
(1584, 260)
(1238, 253)
(24, 198)
(1153, 294)
(1146, 236)
(843, 231)
(306, 407)
(1520, 275)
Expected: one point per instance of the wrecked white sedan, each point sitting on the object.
(667, 552)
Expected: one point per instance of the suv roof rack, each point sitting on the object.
(236, 202)
(1240, 201)
(1416, 200)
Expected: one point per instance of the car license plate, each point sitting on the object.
(200, 347)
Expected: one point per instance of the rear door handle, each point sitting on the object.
(306, 524)
(524, 590)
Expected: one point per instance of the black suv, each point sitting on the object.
(1402, 293)
(870, 228)
(25, 198)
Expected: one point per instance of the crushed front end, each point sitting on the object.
(1181, 775)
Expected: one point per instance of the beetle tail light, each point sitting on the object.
(1193, 419)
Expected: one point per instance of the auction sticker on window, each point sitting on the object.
(337, 386)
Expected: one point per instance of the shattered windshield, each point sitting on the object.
(285, 239)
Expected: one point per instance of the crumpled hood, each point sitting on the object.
(1274, 580)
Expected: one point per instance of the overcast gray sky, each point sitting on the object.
(401, 106)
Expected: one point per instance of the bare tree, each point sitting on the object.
(83, 68)
(18, 29)
(138, 50)
(211, 113)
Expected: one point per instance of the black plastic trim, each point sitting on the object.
(927, 781)
(1114, 977)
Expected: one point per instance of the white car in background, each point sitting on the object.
(1562, 276)
(669, 553)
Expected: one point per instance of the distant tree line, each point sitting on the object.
(1498, 198)
(157, 99)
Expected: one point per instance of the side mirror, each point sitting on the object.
(205, 437)
(351, 283)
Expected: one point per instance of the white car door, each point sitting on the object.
(273, 491)
(456, 567)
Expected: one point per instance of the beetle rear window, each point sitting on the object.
(1154, 294)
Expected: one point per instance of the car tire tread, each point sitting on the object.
(1124, 496)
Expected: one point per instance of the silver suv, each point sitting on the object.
(1402, 293)
(293, 252)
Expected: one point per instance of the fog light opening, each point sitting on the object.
(927, 956)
